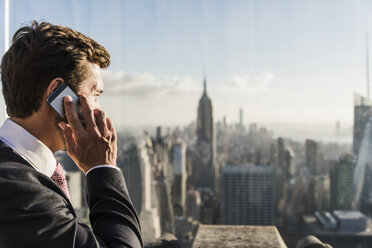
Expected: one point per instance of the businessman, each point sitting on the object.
(35, 209)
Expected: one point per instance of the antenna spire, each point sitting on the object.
(204, 81)
(205, 85)
(367, 58)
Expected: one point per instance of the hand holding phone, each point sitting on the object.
(94, 144)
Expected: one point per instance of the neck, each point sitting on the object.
(41, 127)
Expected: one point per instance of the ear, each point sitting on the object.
(54, 85)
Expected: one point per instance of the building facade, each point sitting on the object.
(341, 183)
(362, 115)
(247, 193)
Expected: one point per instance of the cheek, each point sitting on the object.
(95, 102)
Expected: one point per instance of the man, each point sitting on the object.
(35, 210)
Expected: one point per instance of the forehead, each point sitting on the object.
(93, 81)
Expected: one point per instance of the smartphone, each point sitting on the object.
(55, 100)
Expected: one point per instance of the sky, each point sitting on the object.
(282, 61)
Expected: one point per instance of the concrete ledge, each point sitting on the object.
(238, 236)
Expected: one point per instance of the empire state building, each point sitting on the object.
(206, 143)
(205, 117)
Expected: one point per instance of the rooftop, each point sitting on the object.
(343, 214)
(238, 236)
(315, 228)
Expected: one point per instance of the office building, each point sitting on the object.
(73, 179)
(318, 194)
(362, 115)
(241, 120)
(311, 147)
(178, 193)
(341, 182)
(205, 171)
(247, 195)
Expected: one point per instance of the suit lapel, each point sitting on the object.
(8, 154)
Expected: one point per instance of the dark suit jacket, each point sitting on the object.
(35, 212)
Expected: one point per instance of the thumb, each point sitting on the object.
(69, 137)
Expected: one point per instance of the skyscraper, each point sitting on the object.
(205, 173)
(73, 180)
(362, 115)
(247, 195)
(311, 156)
(205, 127)
(341, 183)
(178, 192)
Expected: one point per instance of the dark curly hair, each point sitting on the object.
(39, 53)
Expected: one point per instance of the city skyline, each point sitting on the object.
(233, 119)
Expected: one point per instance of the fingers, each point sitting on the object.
(111, 128)
(95, 119)
(88, 113)
(71, 115)
(110, 125)
(102, 123)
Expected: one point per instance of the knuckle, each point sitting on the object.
(104, 140)
(101, 113)
(88, 111)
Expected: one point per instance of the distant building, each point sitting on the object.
(178, 193)
(311, 147)
(318, 194)
(205, 125)
(290, 162)
(341, 182)
(224, 124)
(135, 163)
(338, 127)
(366, 196)
(70, 166)
(193, 203)
(281, 153)
(205, 171)
(341, 229)
(241, 120)
(74, 185)
(362, 115)
(362, 178)
(247, 195)
(253, 128)
(284, 158)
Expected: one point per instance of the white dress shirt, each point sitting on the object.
(31, 149)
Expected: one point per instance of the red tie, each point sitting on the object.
(59, 177)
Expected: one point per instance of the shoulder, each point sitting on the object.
(18, 173)
(21, 184)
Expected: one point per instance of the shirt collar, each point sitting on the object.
(28, 147)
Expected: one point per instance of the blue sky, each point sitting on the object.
(281, 61)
